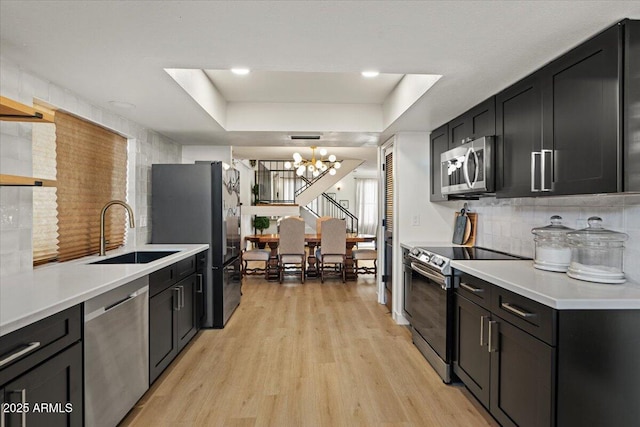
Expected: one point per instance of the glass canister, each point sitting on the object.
(596, 253)
(552, 249)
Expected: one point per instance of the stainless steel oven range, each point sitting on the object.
(429, 284)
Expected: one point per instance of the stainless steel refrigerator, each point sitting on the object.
(200, 203)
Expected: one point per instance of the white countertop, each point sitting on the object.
(556, 290)
(31, 296)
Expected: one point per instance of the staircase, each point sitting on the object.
(309, 199)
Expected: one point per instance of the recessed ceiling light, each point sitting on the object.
(240, 71)
(122, 104)
(370, 74)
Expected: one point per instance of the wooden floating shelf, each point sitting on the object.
(14, 111)
(25, 181)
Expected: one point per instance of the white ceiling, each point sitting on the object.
(111, 50)
(303, 87)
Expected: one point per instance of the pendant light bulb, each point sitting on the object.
(336, 165)
(300, 170)
(332, 171)
(297, 157)
(287, 165)
(323, 152)
(332, 158)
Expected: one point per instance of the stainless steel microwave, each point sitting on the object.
(468, 169)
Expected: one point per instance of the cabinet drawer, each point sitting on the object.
(475, 290)
(162, 279)
(185, 267)
(26, 347)
(535, 318)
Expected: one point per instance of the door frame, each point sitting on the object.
(383, 150)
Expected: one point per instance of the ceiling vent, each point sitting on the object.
(310, 137)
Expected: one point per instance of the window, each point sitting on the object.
(90, 168)
(367, 205)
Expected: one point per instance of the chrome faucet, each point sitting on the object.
(103, 241)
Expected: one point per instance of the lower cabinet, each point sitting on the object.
(41, 373)
(172, 323)
(511, 372)
(531, 365)
(49, 395)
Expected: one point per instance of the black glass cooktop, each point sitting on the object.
(470, 253)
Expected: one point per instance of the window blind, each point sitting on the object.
(91, 170)
(45, 217)
(388, 196)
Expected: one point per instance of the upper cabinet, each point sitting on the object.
(557, 130)
(14, 111)
(631, 126)
(477, 122)
(571, 127)
(439, 144)
(518, 135)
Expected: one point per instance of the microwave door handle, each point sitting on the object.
(465, 167)
(477, 168)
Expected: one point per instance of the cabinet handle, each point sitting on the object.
(181, 297)
(29, 348)
(543, 171)
(23, 397)
(533, 170)
(482, 341)
(493, 345)
(516, 310)
(200, 280)
(470, 288)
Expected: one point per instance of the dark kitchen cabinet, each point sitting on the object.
(518, 136)
(522, 377)
(631, 122)
(472, 361)
(163, 345)
(53, 391)
(557, 130)
(172, 314)
(508, 369)
(42, 366)
(201, 263)
(479, 121)
(581, 116)
(186, 317)
(439, 144)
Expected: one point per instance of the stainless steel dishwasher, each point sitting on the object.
(116, 352)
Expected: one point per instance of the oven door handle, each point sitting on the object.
(438, 278)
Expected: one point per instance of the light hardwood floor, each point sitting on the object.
(305, 355)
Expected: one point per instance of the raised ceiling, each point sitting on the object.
(117, 51)
(303, 87)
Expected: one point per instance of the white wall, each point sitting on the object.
(415, 218)
(193, 153)
(16, 204)
(505, 224)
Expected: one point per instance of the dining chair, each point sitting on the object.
(291, 248)
(365, 254)
(333, 247)
(255, 255)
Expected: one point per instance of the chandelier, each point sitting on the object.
(315, 165)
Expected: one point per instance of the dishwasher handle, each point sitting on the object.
(102, 310)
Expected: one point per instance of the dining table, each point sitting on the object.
(312, 240)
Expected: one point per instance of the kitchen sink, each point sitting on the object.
(138, 257)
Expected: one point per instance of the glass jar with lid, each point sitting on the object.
(596, 253)
(552, 251)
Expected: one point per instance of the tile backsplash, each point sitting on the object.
(505, 224)
(16, 204)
